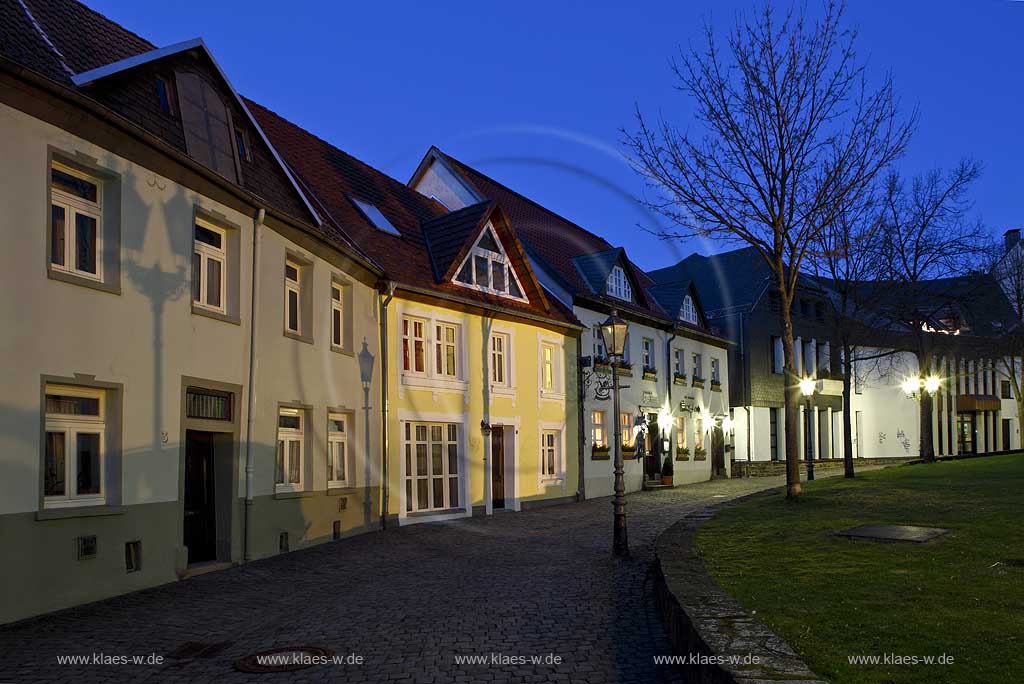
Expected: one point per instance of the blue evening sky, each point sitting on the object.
(534, 93)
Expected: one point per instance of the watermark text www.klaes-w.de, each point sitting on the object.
(499, 659)
(707, 659)
(101, 658)
(900, 659)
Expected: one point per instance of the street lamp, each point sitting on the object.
(366, 377)
(613, 333)
(807, 386)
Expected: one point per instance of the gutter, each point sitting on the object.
(250, 465)
(389, 286)
(525, 315)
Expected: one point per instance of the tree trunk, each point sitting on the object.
(927, 405)
(848, 380)
(791, 404)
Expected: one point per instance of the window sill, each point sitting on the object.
(553, 482)
(335, 488)
(552, 396)
(342, 350)
(427, 514)
(215, 315)
(78, 512)
(67, 277)
(292, 494)
(503, 391)
(308, 339)
(434, 383)
(600, 455)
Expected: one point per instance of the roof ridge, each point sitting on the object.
(523, 197)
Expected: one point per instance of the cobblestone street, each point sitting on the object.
(409, 601)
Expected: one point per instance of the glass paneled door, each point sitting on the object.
(431, 466)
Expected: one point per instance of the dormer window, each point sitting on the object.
(688, 312)
(374, 216)
(618, 285)
(487, 268)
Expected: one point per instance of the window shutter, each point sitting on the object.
(207, 125)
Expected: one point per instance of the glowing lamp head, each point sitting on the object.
(932, 383)
(911, 385)
(807, 387)
(664, 420)
(728, 424)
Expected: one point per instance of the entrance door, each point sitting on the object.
(965, 433)
(1006, 435)
(717, 452)
(498, 467)
(652, 461)
(200, 530)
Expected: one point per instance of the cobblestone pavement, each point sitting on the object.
(407, 600)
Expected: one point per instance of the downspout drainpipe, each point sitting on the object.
(250, 466)
(745, 370)
(581, 395)
(669, 373)
(384, 406)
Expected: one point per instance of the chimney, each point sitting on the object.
(1011, 238)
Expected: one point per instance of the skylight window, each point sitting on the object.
(487, 268)
(374, 216)
(618, 285)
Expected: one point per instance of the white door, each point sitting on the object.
(858, 432)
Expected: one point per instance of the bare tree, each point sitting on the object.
(849, 263)
(791, 132)
(927, 235)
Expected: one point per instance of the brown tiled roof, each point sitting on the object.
(558, 241)
(62, 38)
(335, 177)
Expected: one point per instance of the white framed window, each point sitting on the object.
(414, 345)
(715, 371)
(647, 352)
(551, 455)
(618, 285)
(446, 350)
(688, 312)
(74, 457)
(626, 428)
(599, 351)
(290, 447)
(598, 429)
(209, 259)
(679, 360)
(337, 316)
(431, 466)
(778, 359)
(698, 432)
(680, 433)
(550, 368)
(337, 450)
(76, 217)
(487, 268)
(697, 366)
(499, 360)
(292, 297)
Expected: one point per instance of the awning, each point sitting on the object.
(977, 402)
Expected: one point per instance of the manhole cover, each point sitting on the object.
(905, 533)
(286, 659)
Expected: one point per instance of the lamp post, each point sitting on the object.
(366, 377)
(807, 386)
(613, 333)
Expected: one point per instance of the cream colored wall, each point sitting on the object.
(145, 338)
(470, 400)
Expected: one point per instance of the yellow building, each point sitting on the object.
(480, 364)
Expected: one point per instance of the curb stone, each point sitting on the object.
(703, 620)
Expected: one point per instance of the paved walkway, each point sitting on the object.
(409, 601)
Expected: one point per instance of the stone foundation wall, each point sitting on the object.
(770, 468)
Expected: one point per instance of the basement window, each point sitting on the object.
(133, 556)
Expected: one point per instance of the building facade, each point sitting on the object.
(672, 403)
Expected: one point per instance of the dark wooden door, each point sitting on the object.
(652, 461)
(498, 467)
(717, 452)
(200, 517)
(1006, 435)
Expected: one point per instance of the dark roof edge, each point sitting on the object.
(47, 85)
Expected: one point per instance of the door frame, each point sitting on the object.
(228, 542)
(510, 426)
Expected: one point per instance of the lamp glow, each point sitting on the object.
(932, 383)
(807, 386)
(911, 385)
(728, 424)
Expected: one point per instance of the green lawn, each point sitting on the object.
(831, 597)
